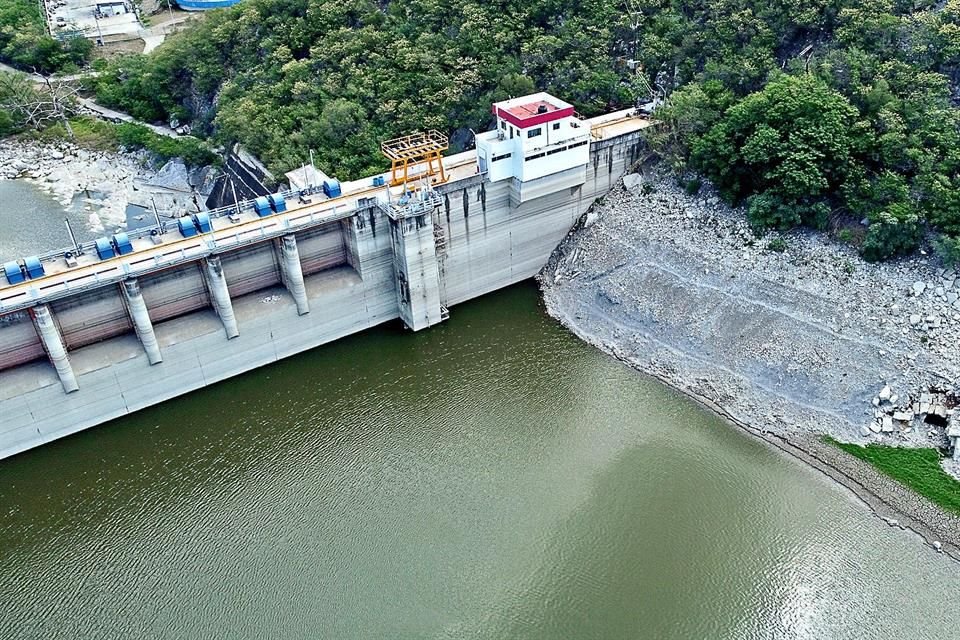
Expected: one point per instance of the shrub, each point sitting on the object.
(778, 245)
(896, 231)
(692, 186)
(768, 211)
(948, 249)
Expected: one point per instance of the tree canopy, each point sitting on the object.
(24, 42)
(813, 112)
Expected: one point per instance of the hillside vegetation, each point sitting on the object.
(24, 42)
(813, 112)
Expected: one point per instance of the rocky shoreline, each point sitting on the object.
(789, 337)
(66, 170)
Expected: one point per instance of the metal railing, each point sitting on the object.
(171, 224)
(115, 269)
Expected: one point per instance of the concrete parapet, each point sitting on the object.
(53, 345)
(141, 320)
(220, 295)
(293, 273)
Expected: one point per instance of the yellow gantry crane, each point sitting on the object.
(408, 152)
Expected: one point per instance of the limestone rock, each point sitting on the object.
(632, 181)
(173, 175)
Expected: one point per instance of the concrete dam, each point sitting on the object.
(92, 334)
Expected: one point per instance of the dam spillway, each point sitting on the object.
(84, 343)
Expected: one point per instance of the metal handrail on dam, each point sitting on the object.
(165, 254)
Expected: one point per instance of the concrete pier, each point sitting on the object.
(53, 345)
(141, 320)
(292, 273)
(220, 296)
(416, 271)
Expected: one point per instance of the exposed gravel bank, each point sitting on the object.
(788, 344)
(117, 179)
(65, 170)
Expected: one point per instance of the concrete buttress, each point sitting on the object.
(53, 345)
(416, 271)
(217, 284)
(141, 320)
(293, 272)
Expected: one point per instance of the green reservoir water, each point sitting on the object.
(492, 477)
(32, 221)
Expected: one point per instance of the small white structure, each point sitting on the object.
(539, 143)
(953, 434)
(306, 177)
(110, 8)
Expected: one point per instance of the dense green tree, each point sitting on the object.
(789, 144)
(809, 111)
(25, 44)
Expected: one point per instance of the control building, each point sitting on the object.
(539, 143)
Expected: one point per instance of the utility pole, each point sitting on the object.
(233, 188)
(73, 238)
(156, 215)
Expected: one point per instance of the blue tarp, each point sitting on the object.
(187, 228)
(278, 203)
(262, 206)
(202, 220)
(121, 243)
(33, 266)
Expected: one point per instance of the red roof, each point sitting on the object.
(532, 113)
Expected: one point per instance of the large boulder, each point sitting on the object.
(174, 176)
(632, 182)
(203, 179)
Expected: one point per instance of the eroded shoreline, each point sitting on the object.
(787, 346)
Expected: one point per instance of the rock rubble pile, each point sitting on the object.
(794, 330)
(931, 412)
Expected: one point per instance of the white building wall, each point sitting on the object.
(492, 149)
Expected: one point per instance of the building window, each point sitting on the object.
(502, 157)
(556, 125)
(503, 125)
(533, 133)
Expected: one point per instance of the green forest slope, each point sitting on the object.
(813, 112)
(24, 42)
